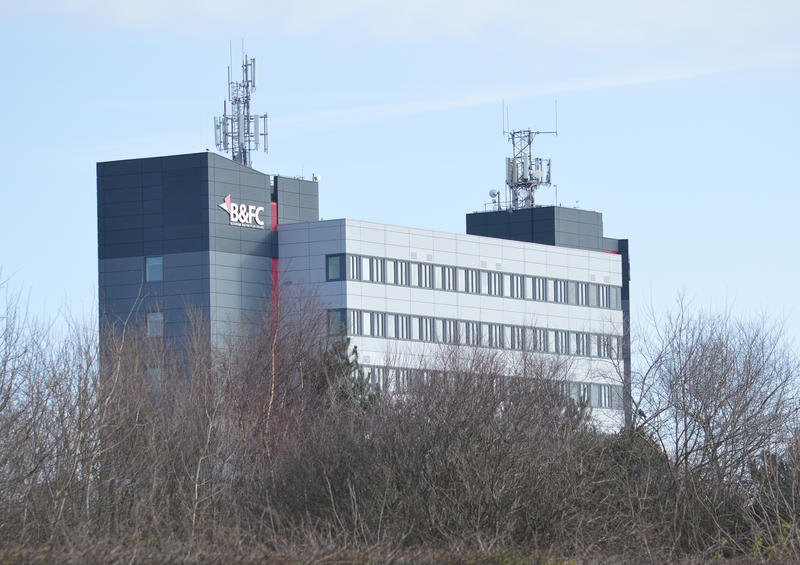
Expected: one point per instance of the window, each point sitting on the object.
(154, 269)
(449, 331)
(354, 267)
(377, 324)
(613, 347)
(593, 294)
(403, 326)
(604, 396)
(472, 281)
(605, 301)
(615, 295)
(602, 346)
(584, 393)
(405, 379)
(155, 324)
(583, 293)
(516, 286)
(376, 376)
(391, 265)
(539, 339)
(336, 321)
(560, 291)
(366, 321)
(472, 333)
(495, 335)
(572, 292)
(583, 344)
(448, 278)
(354, 322)
(517, 337)
(495, 284)
(427, 331)
(424, 275)
(397, 272)
(365, 269)
(374, 270)
(401, 273)
(562, 342)
(539, 288)
(334, 270)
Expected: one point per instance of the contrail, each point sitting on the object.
(369, 113)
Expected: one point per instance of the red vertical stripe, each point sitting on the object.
(273, 224)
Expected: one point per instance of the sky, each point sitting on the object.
(677, 120)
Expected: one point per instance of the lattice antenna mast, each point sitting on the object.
(237, 131)
(525, 173)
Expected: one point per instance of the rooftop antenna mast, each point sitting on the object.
(237, 131)
(525, 173)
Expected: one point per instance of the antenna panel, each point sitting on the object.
(255, 131)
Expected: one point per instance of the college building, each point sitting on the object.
(200, 231)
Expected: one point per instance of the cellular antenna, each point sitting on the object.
(237, 131)
(525, 173)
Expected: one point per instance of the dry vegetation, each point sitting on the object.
(271, 450)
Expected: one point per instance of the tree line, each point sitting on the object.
(277, 444)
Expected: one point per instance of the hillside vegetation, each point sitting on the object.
(277, 448)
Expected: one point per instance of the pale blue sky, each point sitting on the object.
(678, 120)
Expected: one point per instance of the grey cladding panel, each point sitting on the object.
(152, 206)
(153, 247)
(298, 200)
(551, 225)
(309, 214)
(125, 167)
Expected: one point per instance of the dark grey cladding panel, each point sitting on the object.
(308, 214)
(226, 245)
(153, 234)
(610, 244)
(114, 310)
(502, 224)
(155, 205)
(551, 225)
(153, 247)
(258, 248)
(298, 200)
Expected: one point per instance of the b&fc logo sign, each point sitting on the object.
(243, 215)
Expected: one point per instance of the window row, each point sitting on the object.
(473, 281)
(409, 327)
(403, 380)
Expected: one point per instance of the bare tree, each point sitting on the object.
(715, 392)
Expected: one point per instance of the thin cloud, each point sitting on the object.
(576, 23)
(377, 112)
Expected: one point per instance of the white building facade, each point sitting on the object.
(402, 294)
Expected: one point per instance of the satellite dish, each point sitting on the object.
(493, 194)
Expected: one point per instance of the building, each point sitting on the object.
(195, 231)
(204, 231)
